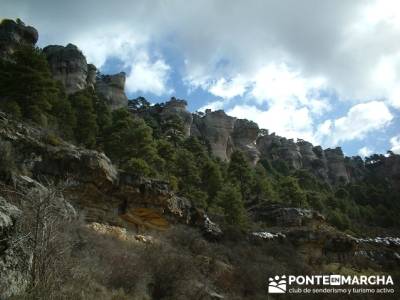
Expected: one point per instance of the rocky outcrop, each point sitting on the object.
(307, 153)
(94, 185)
(14, 261)
(277, 215)
(244, 137)
(91, 75)
(216, 127)
(336, 166)
(68, 65)
(14, 34)
(276, 147)
(176, 107)
(112, 89)
(225, 134)
(318, 242)
(329, 165)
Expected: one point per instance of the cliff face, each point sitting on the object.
(68, 65)
(14, 34)
(225, 134)
(97, 188)
(216, 127)
(176, 107)
(112, 87)
(329, 164)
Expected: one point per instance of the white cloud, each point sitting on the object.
(149, 77)
(297, 123)
(213, 105)
(228, 89)
(365, 151)
(348, 43)
(277, 83)
(360, 120)
(395, 144)
(144, 73)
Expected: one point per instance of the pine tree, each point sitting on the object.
(211, 179)
(25, 79)
(230, 199)
(129, 137)
(291, 193)
(240, 172)
(86, 119)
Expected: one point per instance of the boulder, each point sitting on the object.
(112, 89)
(68, 65)
(14, 34)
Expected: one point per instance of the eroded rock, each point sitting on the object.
(112, 88)
(68, 65)
(14, 34)
(216, 127)
(176, 107)
(336, 165)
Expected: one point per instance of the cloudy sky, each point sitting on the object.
(324, 71)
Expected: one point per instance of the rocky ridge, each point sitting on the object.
(223, 133)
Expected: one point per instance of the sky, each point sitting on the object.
(324, 71)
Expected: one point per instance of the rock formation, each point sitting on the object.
(111, 87)
(68, 65)
(336, 165)
(96, 187)
(176, 107)
(14, 34)
(216, 127)
(276, 147)
(91, 75)
(244, 136)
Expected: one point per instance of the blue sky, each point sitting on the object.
(324, 71)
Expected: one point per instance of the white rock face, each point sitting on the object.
(216, 127)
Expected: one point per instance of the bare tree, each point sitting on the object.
(46, 218)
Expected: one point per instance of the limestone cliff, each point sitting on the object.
(14, 34)
(68, 65)
(216, 127)
(95, 186)
(176, 107)
(112, 88)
